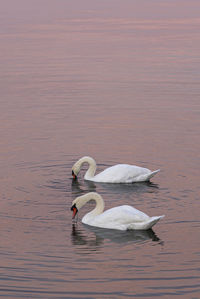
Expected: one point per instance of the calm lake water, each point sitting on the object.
(119, 81)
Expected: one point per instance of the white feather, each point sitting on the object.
(120, 173)
(122, 217)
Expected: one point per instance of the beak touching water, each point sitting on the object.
(73, 175)
(75, 211)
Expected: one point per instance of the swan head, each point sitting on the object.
(75, 170)
(76, 205)
(80, 201)
(77, 167)
(75, 210)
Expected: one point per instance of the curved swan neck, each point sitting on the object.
(82, 200)
(92, 166)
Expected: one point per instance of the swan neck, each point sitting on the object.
(92, 167)
(99, 203)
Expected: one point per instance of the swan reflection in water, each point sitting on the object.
(115, 236)
(88, 186)
(79, 238)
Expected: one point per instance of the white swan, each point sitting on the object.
(120, 173)
(121, 217)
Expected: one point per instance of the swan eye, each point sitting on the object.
(75, 211)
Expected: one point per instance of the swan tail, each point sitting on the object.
(145, 225)
(149, 176)
(153, 220)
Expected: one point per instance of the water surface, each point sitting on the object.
(119, 82)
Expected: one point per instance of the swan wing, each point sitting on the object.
(117, 218)
(146, 224)
(122, 173)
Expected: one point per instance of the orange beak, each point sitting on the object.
(75, 211)
(73, 175)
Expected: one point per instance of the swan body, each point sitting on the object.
(122, 217)
(120, 173)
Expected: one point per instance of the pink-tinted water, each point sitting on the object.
(119, 81)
